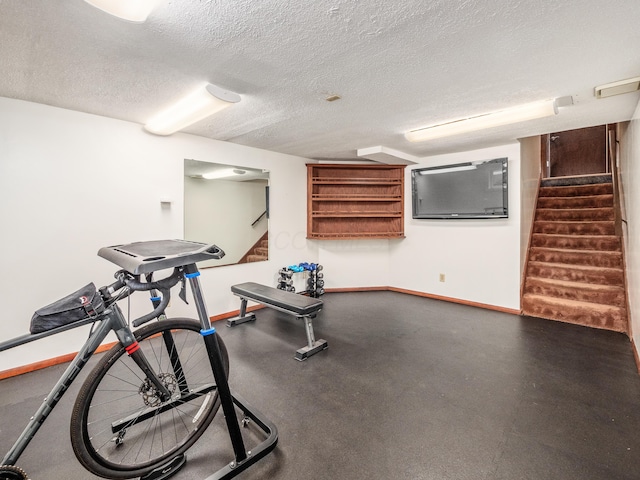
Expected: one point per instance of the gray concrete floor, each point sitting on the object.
(410, 388)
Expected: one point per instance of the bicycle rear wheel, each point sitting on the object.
(120, 428)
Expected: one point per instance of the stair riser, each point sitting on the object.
(577, 191)
(262, 251)
(615, 319)
(578, 214)
(613, 298)
(256, 258)
(560, 228)
(600, 259)
(576, 242)
(576, 202)
(601, 277)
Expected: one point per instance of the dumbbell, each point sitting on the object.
(319, 275)
(285, 272)
(286, 281)
(318, 267)
(320, 291)
(320, 283)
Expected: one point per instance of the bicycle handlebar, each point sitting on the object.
(125, 279)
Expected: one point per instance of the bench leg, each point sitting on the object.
(313, 346)
(243, 317)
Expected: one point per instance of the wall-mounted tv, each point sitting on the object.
(463, 190)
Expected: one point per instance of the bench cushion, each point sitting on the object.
(296, 304)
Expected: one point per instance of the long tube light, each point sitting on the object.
(135, 11)
(435, 171)
(198, 105)
(508, 116)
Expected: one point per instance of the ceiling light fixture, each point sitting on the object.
(460, 168)
(135, 11)
(223, 173)
(618, 88)
(508, 116)
(200, 104)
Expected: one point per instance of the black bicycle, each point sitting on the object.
(152, 394)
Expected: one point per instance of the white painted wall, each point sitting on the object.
(530, 170)
(71, 183)
(629, 168)
(222, 211)
(354, 263)
(480, 258)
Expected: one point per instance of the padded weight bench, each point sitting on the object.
(299, 306)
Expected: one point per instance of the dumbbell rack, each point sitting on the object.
(314, 282)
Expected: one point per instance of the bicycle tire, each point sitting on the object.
(119, 429)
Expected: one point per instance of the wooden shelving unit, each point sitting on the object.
(355, 201)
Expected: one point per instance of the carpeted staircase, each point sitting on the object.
(575, 267)
(259, 252)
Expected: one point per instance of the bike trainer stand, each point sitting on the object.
(243, 458)
(241, 462)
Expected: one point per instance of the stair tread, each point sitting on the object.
(577, 222)
(572, 265)
(572, 209)
(585, 237)
(576, 285)
(573, 303)
(579, 250)
(594, 195)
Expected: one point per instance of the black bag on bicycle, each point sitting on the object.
(79, 305)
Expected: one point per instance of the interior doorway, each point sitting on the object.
(576, 152)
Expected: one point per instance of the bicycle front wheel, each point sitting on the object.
(120, 427)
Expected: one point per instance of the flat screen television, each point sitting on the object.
(463, 190)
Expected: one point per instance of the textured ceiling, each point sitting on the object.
(397, 65)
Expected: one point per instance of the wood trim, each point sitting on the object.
(426, 295)
(357, 289)
(32, 367)
(523, 274)
(635, 354)
(457, 300)
(234, 313)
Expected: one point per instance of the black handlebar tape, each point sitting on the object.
(166, 296)
(162, 284)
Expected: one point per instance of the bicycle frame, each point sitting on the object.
(112, 319)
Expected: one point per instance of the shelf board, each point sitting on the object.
(355, 181)
(334, 214)
(329, 236)
(355, 198)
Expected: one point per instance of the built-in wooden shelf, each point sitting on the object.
(355, 201)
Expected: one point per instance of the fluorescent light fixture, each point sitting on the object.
(618, 88)
(508, 116)
(203, 102)
(435, 171)
(135, 11)
(225, 172)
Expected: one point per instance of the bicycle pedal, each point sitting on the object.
(167, 470)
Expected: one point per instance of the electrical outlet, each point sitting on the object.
(442, 277)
